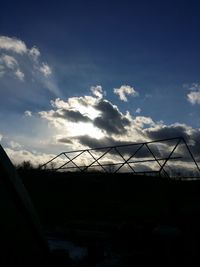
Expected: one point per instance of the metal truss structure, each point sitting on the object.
(167, 157)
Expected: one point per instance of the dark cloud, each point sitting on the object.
(110, 119)
(165, 132)
(71, 115)
(160, 150)
(190, 135)
(65, 140)
(95, 143)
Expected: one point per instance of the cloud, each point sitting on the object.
(36, 158)
(1, 136)
(97, 91)
(9, 61)
(138, 110)
(81, 117)
(124, 91)
(45, 69)
(75, 108)
(19, 74)
(98, 112)
(111, 120)
(65, 140)
(191, 135)
(71, 115)
(34, 53)
(169, 131)
(142, 121)
(28, 113)
(194, 95)
(19, 61)
(116, 128)
(10, 65)
(12, 44)
(92, 142)
(14, 145)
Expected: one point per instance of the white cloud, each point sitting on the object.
(28, 113)
(124, 91)
(18, 156)
(20, 62)
(19, 74)
(12, 44)
(11, 64)
(85, 105)
(141, 121)
(9, 61)
(34, 53)
(45, 69)
(97, 91)
(192, 87)
(138, 110)
(194, 97)
(1, 136)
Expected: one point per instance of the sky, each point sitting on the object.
(77, 74)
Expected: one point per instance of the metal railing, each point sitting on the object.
(151, 157)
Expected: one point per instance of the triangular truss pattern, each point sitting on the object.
(154, 157)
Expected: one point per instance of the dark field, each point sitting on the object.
(122, 219)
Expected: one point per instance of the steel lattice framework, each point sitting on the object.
(151, 157)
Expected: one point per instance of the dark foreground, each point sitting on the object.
(117, 220)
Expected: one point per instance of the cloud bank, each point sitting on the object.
(91, 121)
(103, 124)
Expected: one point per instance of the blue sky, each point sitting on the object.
(83, 50)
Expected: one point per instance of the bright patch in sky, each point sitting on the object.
(81, 128)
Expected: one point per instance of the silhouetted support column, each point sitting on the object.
(22, 242)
